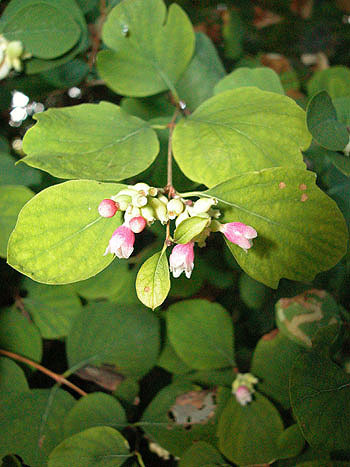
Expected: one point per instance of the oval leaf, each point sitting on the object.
(150, 50)
(190, 228)
(98, 447)
(265, 79)
(97, 141)
(201, 454)
(290, 443)
(153, 280)
(237, 131)
(201, 334)
(68, 243)
(335, 80)
(300, 229)
(323, 124)
(12, 377)
(248, 434)
(123, 336)
(45, 31)
(320, 395)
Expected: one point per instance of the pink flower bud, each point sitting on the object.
(243, 395)
(107, 208)
(182, 259)
(137, 224)
(239, 233)
(121, 242)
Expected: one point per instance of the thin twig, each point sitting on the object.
(58, 378)
(96, 39)
(20, 306)
(171, 126)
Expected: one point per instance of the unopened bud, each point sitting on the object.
(14, 49)
(139, 200)
(123, 200)
(160, 210)
(142, 188)
(137, 224)
(243, 395)
(202, 205)
(183, 216)
(175, 207)
(163, 199)
(107, 208)
(243, 387)
(153, 191)
(131, 212)
(148, 213)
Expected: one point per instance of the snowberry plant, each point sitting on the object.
(177, 171)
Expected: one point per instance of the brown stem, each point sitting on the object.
(20, 306)
(96, 36)
(169, 188)
(60, 379)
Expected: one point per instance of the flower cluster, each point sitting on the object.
(243, 387)
(143, 205)
(11, 56)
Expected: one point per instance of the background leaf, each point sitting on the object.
(201, 454)
(150, 50)
(334, 80)
(12, 377)
(11, 174)
(263, 78)
(99, 446)
(237, 131)
(201, 334)
(300, 230)
(97, 141)
(69, 242)
(124, 336)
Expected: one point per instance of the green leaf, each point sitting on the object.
(160, 423)
(201, 334)
(262, 77)
(201, 454)
(237, 131)
(323, 124)
(290, 443)
(150, 50)
(299, 318)
(45, 31)
(170, 361)
(31, 423)
(66, 75)
(198, 81)
(300, 229)
(12, 377)
(18, 335)
(52, 308)
(253, 294)
(153, 280)
(124, 336)
(99, 447)
(190, 228)
(248, 434)
(97, 141)
(233, 34)
(11, 174)
(95, 409)
(157, 106)
(12, 199)
(68, 243)
(320, 395)
(335, 80)
(272, 363)
(341, 162)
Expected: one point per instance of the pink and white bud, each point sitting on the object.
(243, 395)
(122, 242)
(182, 259)
(239, 233)
(137, 224)
(108, 208)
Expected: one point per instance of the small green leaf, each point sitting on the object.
(335, 80)
(52, 308)
(99, 447)
(238, 131)
(124, 336)
(150, 50)
(45, 31)
(18, 335)
(290, 443)
(201, 334)
(97, 141)
(248, 434)
(31, 423)
(190, 228)
(320, 395)
(323, 124)
(153, 280)
(300, 229)
(263, 78)
(68, 243)
(12, 377)
(299, 318)
(94, 409)
(201, 454)
(272, 363)
(12, 199)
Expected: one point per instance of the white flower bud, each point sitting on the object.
(127, 191)
(203, 205)
(139, 200)
(14, 49)
(130, 213)
(159, 209)
(153, 191)
(163, 199)
(175, 207)
(148, 213)
(183, 216)
(123, 200)
(142, 188)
